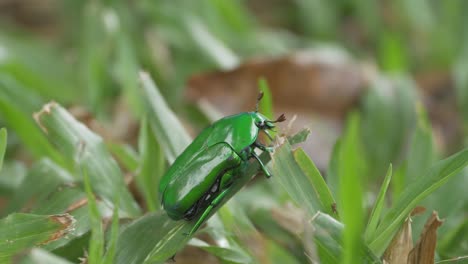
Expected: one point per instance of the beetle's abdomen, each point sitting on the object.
(192, 181)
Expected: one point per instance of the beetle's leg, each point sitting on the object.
(263, 147)
(268, 134)
(262, 166)
(207, 211)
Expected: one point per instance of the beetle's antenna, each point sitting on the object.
(281, 118)
(259, 98)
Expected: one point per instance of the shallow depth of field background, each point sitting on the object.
(398, 68)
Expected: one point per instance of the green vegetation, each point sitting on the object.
(72, 187)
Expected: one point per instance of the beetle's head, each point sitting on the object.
(262, 122)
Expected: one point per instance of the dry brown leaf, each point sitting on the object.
(401, 245)
(423, 252)
(322, 81)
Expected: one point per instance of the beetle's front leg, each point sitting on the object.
(262, 166)
(263, 147)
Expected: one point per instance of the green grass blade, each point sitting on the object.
(125, 155)
(152, 166)
(3, 145)
(114, 235)
(19, 232)
(168, 130)
(266, 104)
(421, 152)
(88, 150)
(318, 182)
(16, 108)
(328, 240)
(229, 255)
(378, 206)
(437, 175)
(42, 179)
(351, 171)
(96, 243)
(209, 44)
(299, 137)
(41, 256)
(288, 173)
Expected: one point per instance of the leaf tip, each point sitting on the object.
(46, 110)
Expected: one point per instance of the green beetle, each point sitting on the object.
(201, 176)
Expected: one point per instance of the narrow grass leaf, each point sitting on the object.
(88, 150)
(19, 232)
(152, 166)
(16, 108)
(457, 260)
(421, 153)
(208, 43)
(127, 68)
(437, 175)
(350, 173)
(226, 254)
(328, 237)
(378, 206)
(299, 137)
(318, 182)
(289, 175)
(96, 243)
(168, 130)
(125, 155)
(3, 145)
(41, 256)
(272, 230)
(42, 179)
(114, 235)
(266, 104)
(155, 230)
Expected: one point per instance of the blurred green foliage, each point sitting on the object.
(94, 58)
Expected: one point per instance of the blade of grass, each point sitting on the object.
(226, 246)
(15, 103)
(351, 171)
(299, 137)
(294, 181)
(152, 166)
(96, 243)
(208, 43)
(3, 145)
(438, 174)
(328, 238)
(114, 235)
(421, 152)
(378, 206)
(228, 255)
(87, 150)
(266, 104)
(42, 179)
(168, 130)
(125, 155)
(318, 182)
(19, 232)
(41, 256)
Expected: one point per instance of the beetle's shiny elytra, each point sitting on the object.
(201, 176)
